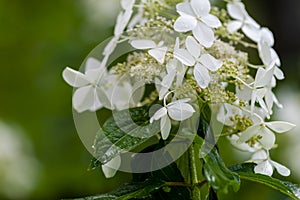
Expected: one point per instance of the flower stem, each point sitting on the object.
(196, 194)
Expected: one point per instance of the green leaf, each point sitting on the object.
(246, 172)
(218, 175)
(124, 131)
(170, 174)
(131, 191)
(183, 166)
(244, 167)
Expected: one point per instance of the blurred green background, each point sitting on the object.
(41, 156)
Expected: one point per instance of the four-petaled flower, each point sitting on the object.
(265, 132)
(178, 110)
(97, 88)
(157, 51)
(88, 96)
(195, 17)
(193, 57)
(242, 20)
(266, 166)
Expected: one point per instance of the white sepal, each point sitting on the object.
(159, 114)
(180, 110)
(75, 78)
(210, 62)
(284, 171)
(143, 44)
(159, 54)
(165, 127)
(110, 169)
(202, 76)
(280, 126)
(264, 167)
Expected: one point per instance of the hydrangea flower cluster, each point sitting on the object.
(197, 55)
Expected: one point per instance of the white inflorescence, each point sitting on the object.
(195, 52)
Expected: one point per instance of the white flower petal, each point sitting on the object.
(122, 21)
(185, 100)
(127, 4)
(259, 77)
(253, 100)
(284, 171)
(110, 47)
(180, 111)
(269, 74)
(210, 62)
(121, 97)
(159, 114)
(280, 126)
(263, 77)
(165, 127)
(264, 168)
(200, 7)
(163, 91)
(177, 44)
(259, 95)
(276, 101)
(275, 57)
(103, 98)
(251, 32)
(185, 9)
(185, 23)
(248, 133)
(96, 76)
(211, 21)
(171, 66)
(97, 104)
(92, 63)
(120, 25)
(251, 22)
(110, 169)
(279, 73)
(159, 54)
(202, 76)
(259, 155)
(221, 117)
(268, 138)
(157, 83)
(84, 99)
(166, 84)
(237, 10)
(267, 36)
(233, 26)
(75, 78)
(265, 53)
(269, 101)
(273, 81)
(143, 44)
(193, 46)
(184, 57)
(180, 74)
(243, 93)
(204, 34)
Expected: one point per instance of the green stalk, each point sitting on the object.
(196, 194)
